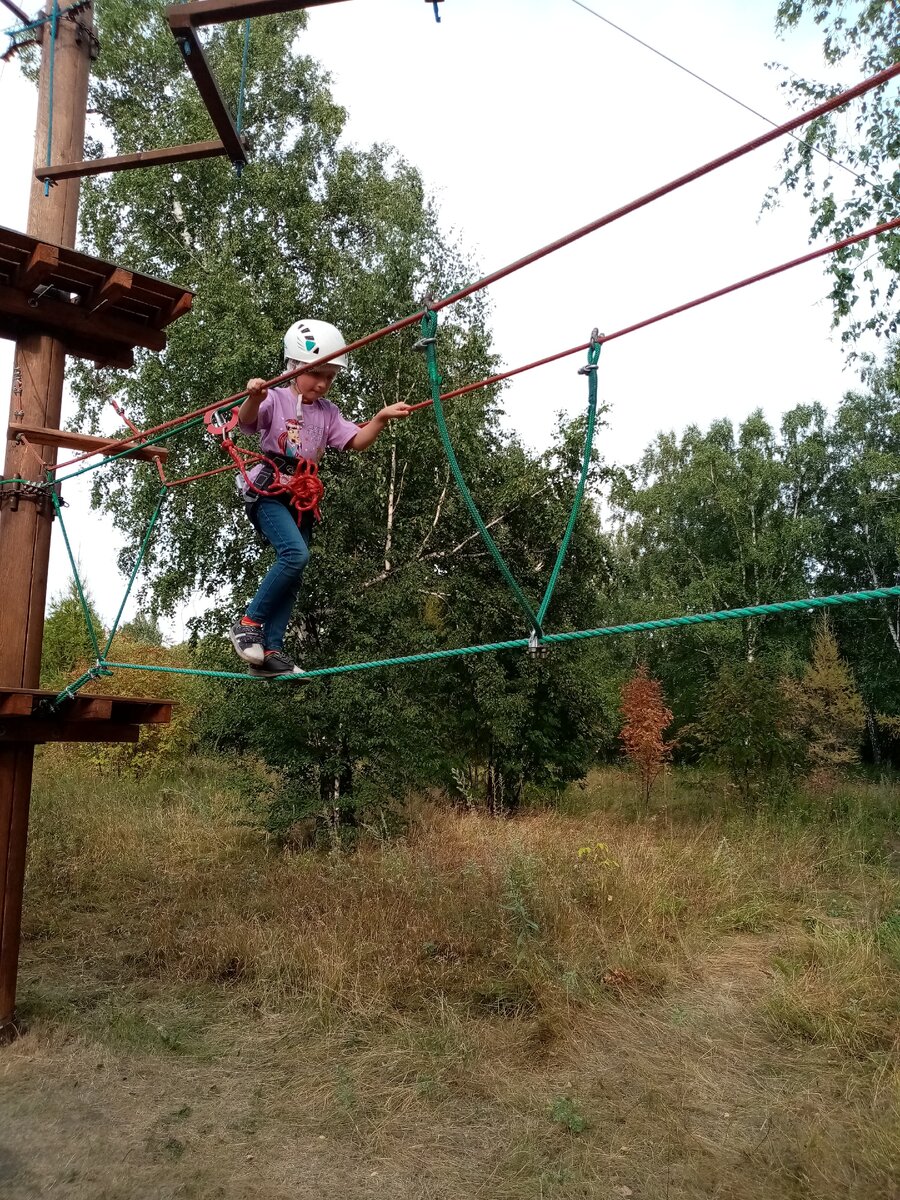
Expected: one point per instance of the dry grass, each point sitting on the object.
(555, 1006)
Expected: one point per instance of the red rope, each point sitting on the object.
(303, 489)
(671, 312)
(837, 101)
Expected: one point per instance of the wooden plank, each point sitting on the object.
(62, 439)
(23, 730)
(15, 705)
(113, 288)
(48, 694)
(62, 320)
(216, 12)
(196, 62)
(42, 263)
(89, 708)
(190, 152)
(126, 712)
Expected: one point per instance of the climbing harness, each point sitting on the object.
(294, 480)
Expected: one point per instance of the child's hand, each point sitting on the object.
(393, 412)
(257, 389)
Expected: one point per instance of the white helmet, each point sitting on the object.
(309, 341)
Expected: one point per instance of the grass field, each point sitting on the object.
(585, 1003)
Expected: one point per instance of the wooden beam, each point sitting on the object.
(62, 439)
(182, 305)
(17, 12)
(127, 162)
(42, 263)
(89, 708)
(61, 319)
(116, 285)
(142, 712)
(216, 12)
(29, 729)
(16, 704)
(196, 62)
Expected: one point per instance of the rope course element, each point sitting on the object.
(834, 102)
(427, 343)
(221, 417)
(550, 639)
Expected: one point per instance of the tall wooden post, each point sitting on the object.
(25, 521)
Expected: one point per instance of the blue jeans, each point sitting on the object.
(274, 601)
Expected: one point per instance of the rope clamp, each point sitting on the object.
(424, 343)
(536, 647)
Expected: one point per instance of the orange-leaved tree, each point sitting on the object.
(646, 717)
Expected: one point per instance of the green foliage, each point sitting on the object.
(826, 707)
(746, 728)
(721, 519)
(143, 628)
(67, 646)
(565, 1111)
(861, 37)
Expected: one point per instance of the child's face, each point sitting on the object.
(314, 383)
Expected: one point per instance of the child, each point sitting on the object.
(294, 422)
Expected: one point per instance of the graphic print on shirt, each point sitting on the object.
(289, 439)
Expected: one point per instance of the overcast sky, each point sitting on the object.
(530, 118)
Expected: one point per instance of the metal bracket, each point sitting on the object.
(536, 647)
(36, 493)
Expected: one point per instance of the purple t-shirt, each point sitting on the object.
(288, 426)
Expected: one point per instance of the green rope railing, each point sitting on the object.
(57, 507)
(427, 343)
(550, 639)
(591, 371)
(163, 492)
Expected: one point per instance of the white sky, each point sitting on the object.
(528, 119)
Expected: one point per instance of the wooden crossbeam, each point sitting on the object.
(116, 285)
(60, 319)
(42, 263)
(31, 729)
(177, 309)
(196, 62)
(142, 158)
(62, 439)
(216, 12)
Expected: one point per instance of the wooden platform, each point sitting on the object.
(24, 717)
(96, 309)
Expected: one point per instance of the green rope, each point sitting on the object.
(427, 343)
(68, 692)
(591, 371)
(240, 104)
(163, 492)
(728, 614)
(81, 596)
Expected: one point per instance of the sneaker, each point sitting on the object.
(248, 642)
(276, 663)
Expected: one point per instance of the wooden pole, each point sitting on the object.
(25, 522)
